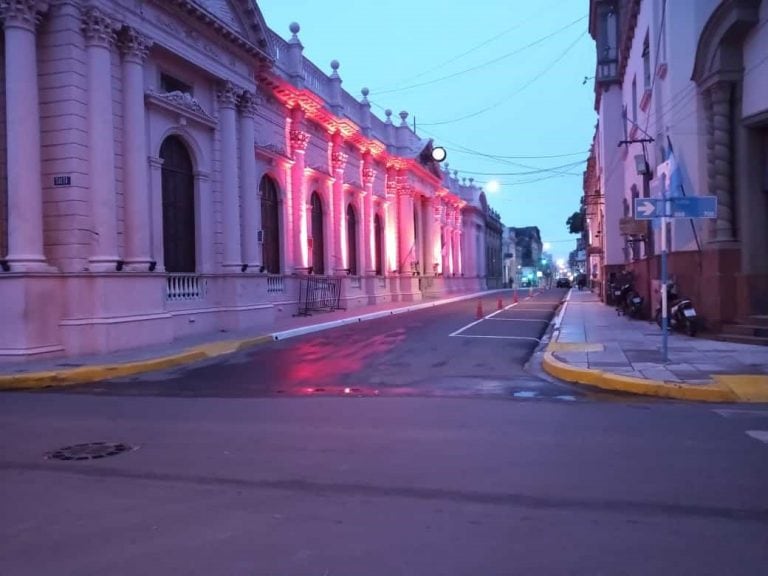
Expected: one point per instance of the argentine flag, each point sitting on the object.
(674, 178)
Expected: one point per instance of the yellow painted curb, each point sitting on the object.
(746, 387)
(619, 383)
(84, 374)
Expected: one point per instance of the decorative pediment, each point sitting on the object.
(240, 21)
(181, 103)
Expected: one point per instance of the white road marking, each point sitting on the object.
(460, 330)
(761, 435)
(497, 337)
(525, 394)
(520, 320)
(736, 413)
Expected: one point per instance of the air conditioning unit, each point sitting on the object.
(260, 236)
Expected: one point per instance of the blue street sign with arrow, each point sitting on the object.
(679, 207)
(648, 208)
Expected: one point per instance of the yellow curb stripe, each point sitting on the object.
(85, 374)
(746, 387)
(616, 382)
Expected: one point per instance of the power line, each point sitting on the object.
(553, 169)
(545, 157)
(486, 63)
(509, 96)
(472, 49)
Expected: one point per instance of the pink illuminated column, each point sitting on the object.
(390, 228)
(369, 244)
(99, 33)
(434, 217)
(134, 47)
(407, 239)
(299, 142)
(230, 199)
(25, 199)
(249, 190)
(456, 250)
(338, 163)
(458, 265)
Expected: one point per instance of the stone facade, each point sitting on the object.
(690, 83)
(172, 168)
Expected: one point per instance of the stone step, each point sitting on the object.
(736, 339)
(745, 330)
(758, 321)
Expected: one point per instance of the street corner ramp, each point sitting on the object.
(604, 380)
(746, 387)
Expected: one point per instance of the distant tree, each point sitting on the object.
(575, 223)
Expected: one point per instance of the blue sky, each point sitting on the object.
(494, 77)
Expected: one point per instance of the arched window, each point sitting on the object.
(270, 226)
(178, 190)
(352, 239)
(378, 243)
(318, 244)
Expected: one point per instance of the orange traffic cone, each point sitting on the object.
(480, 309)
(499, 305)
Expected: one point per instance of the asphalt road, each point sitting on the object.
(428, 468)
(440, 351)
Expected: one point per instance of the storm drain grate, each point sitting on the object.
(89, 451)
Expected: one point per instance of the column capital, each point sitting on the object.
(21, 13)
(156, 162)
(338, 160)
(299, 140)
(406, 191)
(98, 28)
(133, 44)
(248, 104)
(227, 95)
(368, 176)
(391, 190)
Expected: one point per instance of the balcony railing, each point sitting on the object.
(275, 284)
(182, 287)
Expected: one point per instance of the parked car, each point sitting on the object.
(563, 283)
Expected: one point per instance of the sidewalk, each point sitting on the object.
(42, 373)
(593, 345)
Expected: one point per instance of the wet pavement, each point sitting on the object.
(441, 351)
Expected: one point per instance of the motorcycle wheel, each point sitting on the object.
(657, 317)
(691, 327)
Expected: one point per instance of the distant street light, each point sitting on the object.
(547, 245)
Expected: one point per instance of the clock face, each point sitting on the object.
(438, 154)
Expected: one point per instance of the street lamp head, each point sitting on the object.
(439, 154)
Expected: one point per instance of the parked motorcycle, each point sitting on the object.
(681, 315)
(634, 304)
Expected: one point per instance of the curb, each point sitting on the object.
(718, 392)
(86, 374)
(632, 385)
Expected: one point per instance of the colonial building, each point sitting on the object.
(681, 90)
(173, 167)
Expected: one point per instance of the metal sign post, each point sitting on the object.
(664, 209)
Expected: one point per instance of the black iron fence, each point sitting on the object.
(319, 294)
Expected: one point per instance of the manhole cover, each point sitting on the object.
(89, 451)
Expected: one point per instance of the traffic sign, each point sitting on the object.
(648, 208)
(679, 207)
(694, 207)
